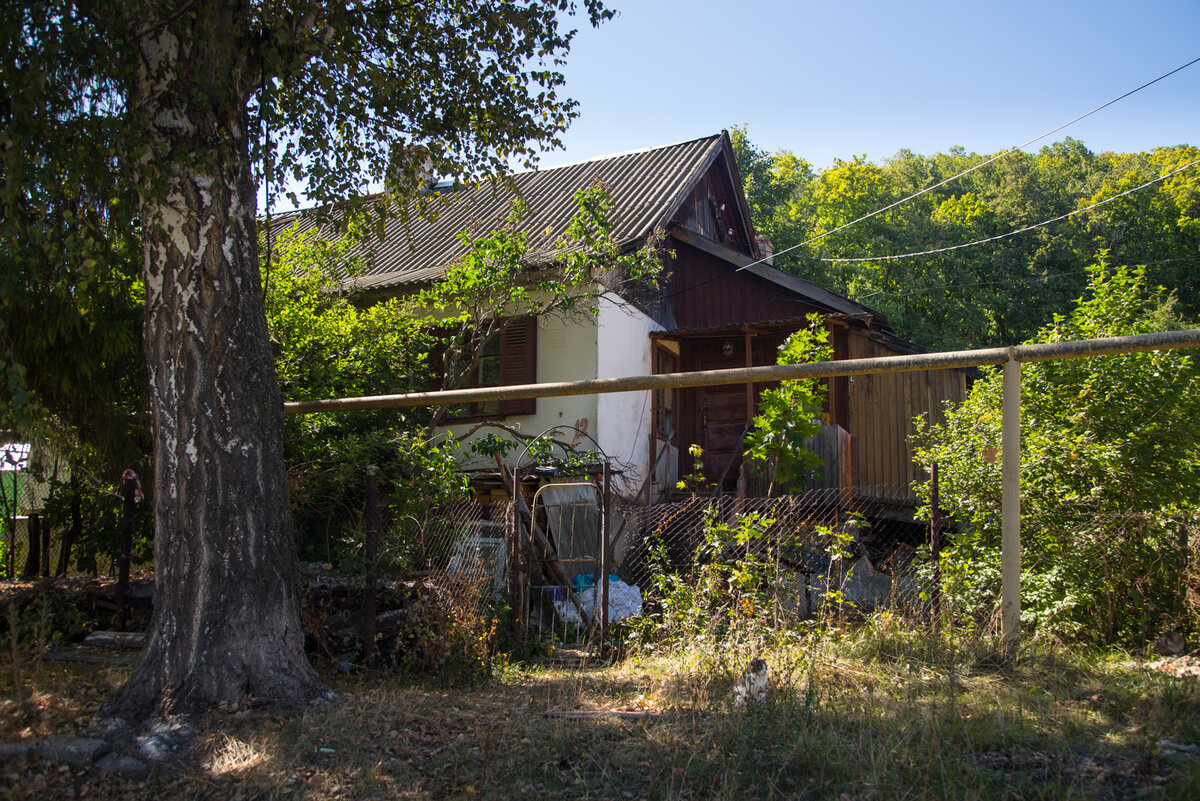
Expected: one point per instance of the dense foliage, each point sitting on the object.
(345, 94)
(462, 90)
(789, 414)
(1110, 453)
(1110, 473)
(151, 125)
(480, 90)
(328, 345)
(993, 294)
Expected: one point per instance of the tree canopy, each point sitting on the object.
(993, 294)
(139, 132)
(335, 98)
(1109, 451)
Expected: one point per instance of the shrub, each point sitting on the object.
(1110, 469)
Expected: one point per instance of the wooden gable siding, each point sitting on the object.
(881, 411)
(705, 292)
(713, 211)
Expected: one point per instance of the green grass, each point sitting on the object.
(876, 711)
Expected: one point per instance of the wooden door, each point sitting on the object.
(713, 417)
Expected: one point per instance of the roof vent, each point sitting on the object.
(410, 170)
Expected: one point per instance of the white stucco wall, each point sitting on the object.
(614, 343)
(623, 418)
(566, 351)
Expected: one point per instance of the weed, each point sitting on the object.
(862, 711)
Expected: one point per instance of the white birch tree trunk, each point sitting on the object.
(226, 622)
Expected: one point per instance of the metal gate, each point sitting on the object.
(571, 613)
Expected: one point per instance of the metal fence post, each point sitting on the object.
(33, 556)
(1010, 470)
(516, 598)
(46, 550)
(605, 526)
(371, 558)
(935, 549)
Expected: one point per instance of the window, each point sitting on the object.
(665, 362)
(507, 360)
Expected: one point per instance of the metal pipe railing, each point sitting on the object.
(1011, 358)
(1050, 351)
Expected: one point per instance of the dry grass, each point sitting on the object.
(880, 713)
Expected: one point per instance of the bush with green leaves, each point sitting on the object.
(328, 344)
(790, 413)
(1110, 477)
(732, 591)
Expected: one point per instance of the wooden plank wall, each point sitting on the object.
(882, 408)
(712, 211)
(832, 444)
(704, 292)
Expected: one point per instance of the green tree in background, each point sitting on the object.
(1110, 451)
(1160, 227)
(777, 192)
(991, 294)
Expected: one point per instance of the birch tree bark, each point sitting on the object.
(168, 107)
(226, 623)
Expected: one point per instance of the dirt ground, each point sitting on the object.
(643, 729)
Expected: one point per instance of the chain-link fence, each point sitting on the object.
(1087, 573)
(1126, 577)
(543, 554)
(465, 544)
(51, 525)
(27, 547)
(1121, 577)
(811, 543)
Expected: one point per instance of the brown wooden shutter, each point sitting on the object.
(518, 362)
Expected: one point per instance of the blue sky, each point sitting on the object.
(841, 78)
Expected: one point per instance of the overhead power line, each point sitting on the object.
(998, 237)
(967, 171)
(1036, 279)
(1033, 279)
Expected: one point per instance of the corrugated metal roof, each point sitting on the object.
(646, 187)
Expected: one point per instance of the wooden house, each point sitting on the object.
(721, 305)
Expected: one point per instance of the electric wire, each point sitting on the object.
(970, 169)
(998, 237)
(1035, 279)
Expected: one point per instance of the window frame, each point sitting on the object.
(516, 352)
